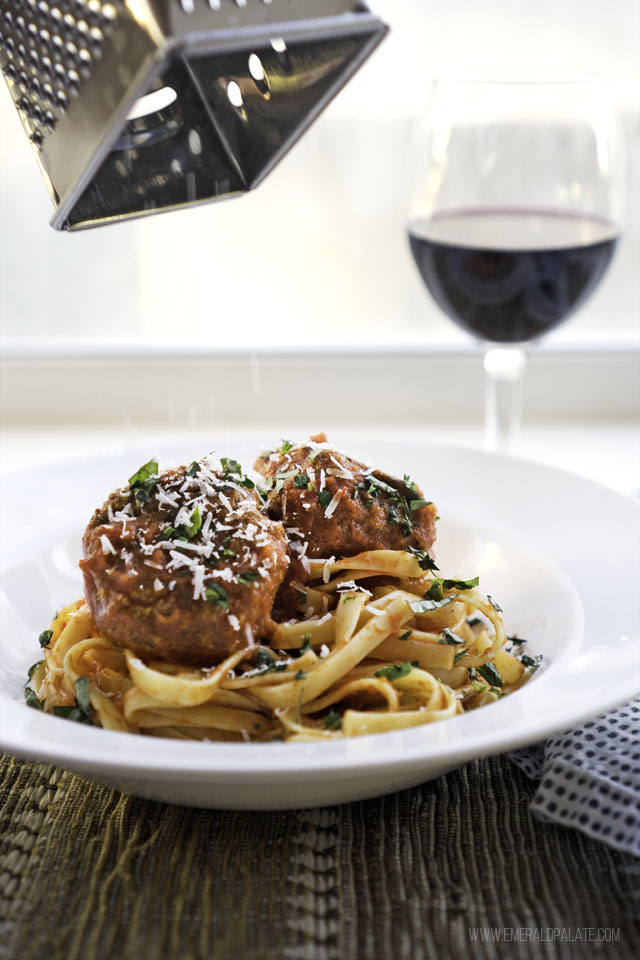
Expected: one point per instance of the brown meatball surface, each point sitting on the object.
(334, 506)
(183, 565)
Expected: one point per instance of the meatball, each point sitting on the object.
(183, 565)
(334, 506)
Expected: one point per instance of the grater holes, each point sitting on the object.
(234, 95)
(258, 75)
(50, 46)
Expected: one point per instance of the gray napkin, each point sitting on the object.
(590, 778)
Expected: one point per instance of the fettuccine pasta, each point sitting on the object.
(377, 644)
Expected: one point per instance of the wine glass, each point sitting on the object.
(515, 215)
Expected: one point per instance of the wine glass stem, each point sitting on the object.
(504, 372)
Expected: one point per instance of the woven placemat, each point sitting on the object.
(455, 868)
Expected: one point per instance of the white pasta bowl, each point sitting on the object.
(558, 552)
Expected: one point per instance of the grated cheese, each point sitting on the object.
(107, 546)
(332, 505)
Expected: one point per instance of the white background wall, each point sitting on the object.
(318, 254)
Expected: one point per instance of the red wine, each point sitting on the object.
(511, 275)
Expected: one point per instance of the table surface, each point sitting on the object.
(454, 868)
(457, 867)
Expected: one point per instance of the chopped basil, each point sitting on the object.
(478, 686)
(184, 531)
(230, 466)
(332, 720)
(193, 468)
(425, 562)
(490, 674)
(435, 591)
(45, 638)
(80, 712)
(265, 662)
(516, 641)
(325, 497)
(33, 668)
(416, 504)
(440, 585)
(493, 603)
(286, 446)
(405, 635)
(532, 662)
(394, 671)
(423, 606)
(31, 699)
(82, 695)
(301, 481)
(300, 675)
(263, 658)
(408, 482)
(460, 584)
(228, 553)
(474, 621)
(71, 713)
(450, 638)
(218, 595)
(306, 643)
(195, 522)
(144, 474)
(302, 597)
(460, 654)
(249, 576)
(376, 484)
(143, 481)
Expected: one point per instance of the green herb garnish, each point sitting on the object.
(230, 466)
(33, 668)
(31, 699)
(218, 595)
(493, 603)
(460, 654)
(193, 468)
(306, 643)
(143, 481)
(394, 671)
(45, 638)
(450, 638)
(423, 606)
(195, 522)
(325, 497)
(405, 635)
(460, 584)
(490, 674)
(301, 481)
(332, 720)
(478, 686)
(286, 446)
(249, 576)
(425, 562)
(532, 662)
(416, 504)
(300, 675)
(81, 711)
(82, 694)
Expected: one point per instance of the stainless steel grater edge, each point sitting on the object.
(139, 106)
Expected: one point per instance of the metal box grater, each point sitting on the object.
(138, 106)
